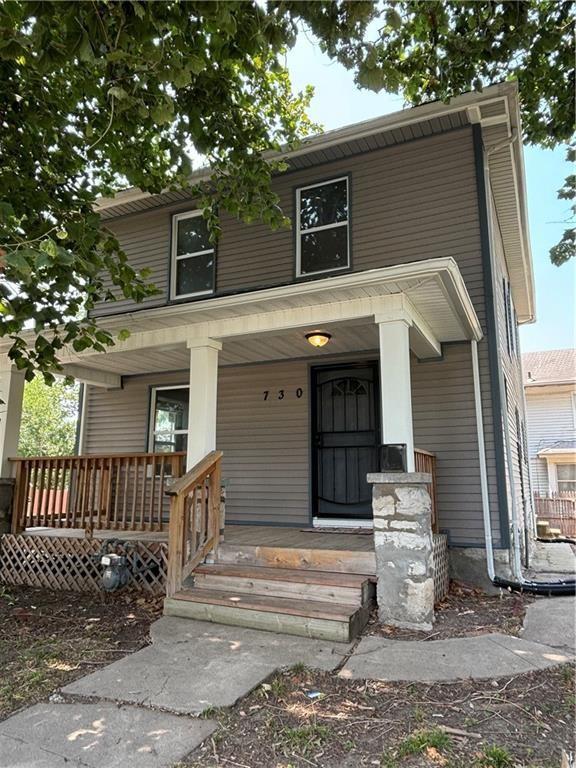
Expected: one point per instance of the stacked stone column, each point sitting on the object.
(403, 541)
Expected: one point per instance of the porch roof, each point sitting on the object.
(270, 324)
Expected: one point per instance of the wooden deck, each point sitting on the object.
(238, 535)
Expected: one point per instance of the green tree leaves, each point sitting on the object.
(98, 96)
(49, 415)
(103, 95)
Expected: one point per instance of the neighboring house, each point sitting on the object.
(550, 387)
(408, 255)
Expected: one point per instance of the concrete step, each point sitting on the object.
(303, 584)
(307, 618)
(333, 560)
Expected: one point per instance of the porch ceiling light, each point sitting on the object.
(318, 338)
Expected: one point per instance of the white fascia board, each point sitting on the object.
(443, 269)
(96, 378)
(520, 183)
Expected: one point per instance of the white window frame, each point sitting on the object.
(564, 463)
(300, 232)
(176, 219)
(152, 418)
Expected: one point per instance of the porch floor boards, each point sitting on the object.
(237, 535)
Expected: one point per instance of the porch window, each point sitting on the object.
(193, 256)
(322, 231)
(169, 419)
(566, 478)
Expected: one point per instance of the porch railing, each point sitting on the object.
(119, 492)
(425, 461)
(559, 510)
(194, 519)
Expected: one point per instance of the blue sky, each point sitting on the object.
(338, 102)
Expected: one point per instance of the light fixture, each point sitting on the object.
(318, 338)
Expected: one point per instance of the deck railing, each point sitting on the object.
(119, 492)
(194, 519)
(425, 461)
(559, 510)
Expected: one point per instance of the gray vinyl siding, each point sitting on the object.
(513, 402)
(266, 442)
(408, 202)
(445, 424)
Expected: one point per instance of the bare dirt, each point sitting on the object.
(304, 718)
(465, 612)
(48, 638)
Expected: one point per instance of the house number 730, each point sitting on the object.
(281, 394)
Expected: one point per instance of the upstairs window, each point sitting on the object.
(510, 312)
(322, 231)
(193, 256)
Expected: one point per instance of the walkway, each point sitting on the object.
(145, 705)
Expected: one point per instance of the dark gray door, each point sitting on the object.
(345, 440)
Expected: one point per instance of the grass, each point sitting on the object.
(420, 741)
(303, 739)
(32, 671)
(495, 757)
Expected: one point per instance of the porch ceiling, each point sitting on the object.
(270, 324)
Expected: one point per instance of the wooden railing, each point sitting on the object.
(194, 519)
(119, 492)
(558, 509)
(425, 461)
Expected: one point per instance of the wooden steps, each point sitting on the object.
(321, 619)
(256, 587)
(332, 560)
(340, 588)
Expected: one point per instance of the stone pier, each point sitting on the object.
(403, 542)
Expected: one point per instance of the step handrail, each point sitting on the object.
(194, 519)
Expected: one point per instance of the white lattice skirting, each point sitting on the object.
(66, 563)
(440, 555)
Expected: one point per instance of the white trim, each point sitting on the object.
(337, 224)
(94, 378)
(82, 420)
(152, 415)
(337, 522)
(175, 257)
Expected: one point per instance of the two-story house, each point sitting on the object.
(386, 316)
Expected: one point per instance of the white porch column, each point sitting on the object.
(395, 388)
(203, 395)
(11, 394)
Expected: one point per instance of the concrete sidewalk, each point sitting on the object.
(192, 666)
(546, 640)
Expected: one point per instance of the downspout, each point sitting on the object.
(482, 458)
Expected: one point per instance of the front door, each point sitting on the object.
(345, 440)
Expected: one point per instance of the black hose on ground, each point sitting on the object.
(550, 588)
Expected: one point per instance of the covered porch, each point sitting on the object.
(245, 374)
